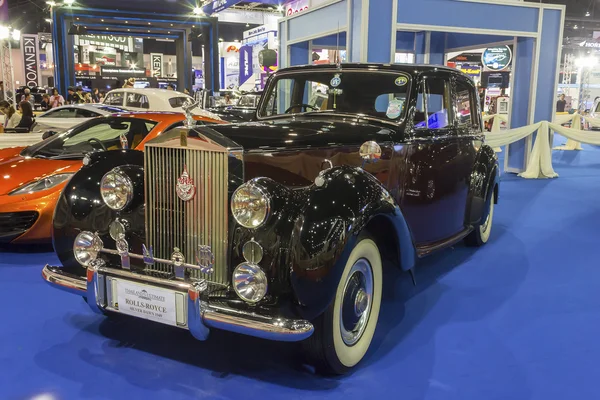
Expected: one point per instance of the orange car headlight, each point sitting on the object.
(42, 184)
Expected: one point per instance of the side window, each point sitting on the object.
(114, 99)
(136, 100)
(433, 104)
(81, 113)
(61, 113)
(465, 105)
(177, 102)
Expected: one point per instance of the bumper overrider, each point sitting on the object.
(192, 308)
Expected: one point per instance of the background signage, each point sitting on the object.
(218, 5)
(118, 42)
(122, 72)
(296, 7)
(156, 60)
(497, 58)
(474, 71)
(31, 59)
(246, 68)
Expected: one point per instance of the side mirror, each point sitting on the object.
(48, 134)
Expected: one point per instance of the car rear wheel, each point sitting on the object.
(343, 333)
(481, 233)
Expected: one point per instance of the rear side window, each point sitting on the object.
(81, 113)
(62, 113)
(178, 102)
(114, 99)
(465, 105)
(136, 100)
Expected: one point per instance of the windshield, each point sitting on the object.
(96, 135)
(376, 94)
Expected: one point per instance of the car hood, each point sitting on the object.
(303, 133)
(16, 170)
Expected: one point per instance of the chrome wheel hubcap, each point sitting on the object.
(355, 308)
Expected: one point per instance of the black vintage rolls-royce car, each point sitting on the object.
(277, 228)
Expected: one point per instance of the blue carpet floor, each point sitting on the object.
(517, 319)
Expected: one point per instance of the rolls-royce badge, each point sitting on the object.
(185, 186)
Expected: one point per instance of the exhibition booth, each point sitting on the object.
(387, 30)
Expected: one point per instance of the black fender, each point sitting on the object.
(332, 217)
(484, 178)
(81, 208)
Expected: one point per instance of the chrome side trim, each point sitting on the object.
(201, 314)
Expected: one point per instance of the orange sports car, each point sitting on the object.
(32, 178)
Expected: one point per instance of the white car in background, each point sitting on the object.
(66, 117)
(152, 100)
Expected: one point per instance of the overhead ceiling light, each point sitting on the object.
(149, 23)
(587, 14)
(126, 22)
(198, 11)
(51, 3)
(102, 20)
(148, 30)
(280, 8)
(575, 27)
(77, 18)
(193, 26)
(171, 24)
(128, 30)
(106, 28)
(16, 34)
(48, 20)
(69, 2)
(169, 32)
(220, 39)
(247, 24)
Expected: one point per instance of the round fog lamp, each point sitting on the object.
(250, 282)
(116, 189)
(250, 206)
(86, 247)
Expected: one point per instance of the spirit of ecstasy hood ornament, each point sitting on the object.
(187, 107)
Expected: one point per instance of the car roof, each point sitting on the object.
(152, 92)
(412, 69)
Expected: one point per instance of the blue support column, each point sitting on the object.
(437, 48)
(420, 47)
(357, 32)
(299, 54)
(521, 94)
(545, 98)
(381, 24)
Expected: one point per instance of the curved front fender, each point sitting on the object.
(326, 231)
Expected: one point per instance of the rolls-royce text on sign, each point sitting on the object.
(29, 45)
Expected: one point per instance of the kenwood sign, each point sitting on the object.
(31, 59)
(157, 64)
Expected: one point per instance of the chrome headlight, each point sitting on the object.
(250, 282)
(86, 247)
(116, 189)
(42, 184)
(250, 205)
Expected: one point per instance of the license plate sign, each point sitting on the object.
(147, 302)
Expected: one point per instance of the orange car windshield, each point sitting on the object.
(96, 135)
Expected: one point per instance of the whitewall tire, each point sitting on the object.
(481, 232)
(343, 333)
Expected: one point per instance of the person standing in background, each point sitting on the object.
(95, 95)
(45, 104)
(11, 117)
(561, 104)
(26, 115)
(26, 92)
(79, 96)
(70, 95)
(101, 96)
(56, 100)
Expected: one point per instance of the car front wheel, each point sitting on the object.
(343, 333)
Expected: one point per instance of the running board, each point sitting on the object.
(429, 248)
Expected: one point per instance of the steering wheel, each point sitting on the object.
(306, 106)
(94, 140)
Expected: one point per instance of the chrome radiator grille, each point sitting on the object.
(172, 222)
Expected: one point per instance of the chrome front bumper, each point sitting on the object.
(201, 315)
